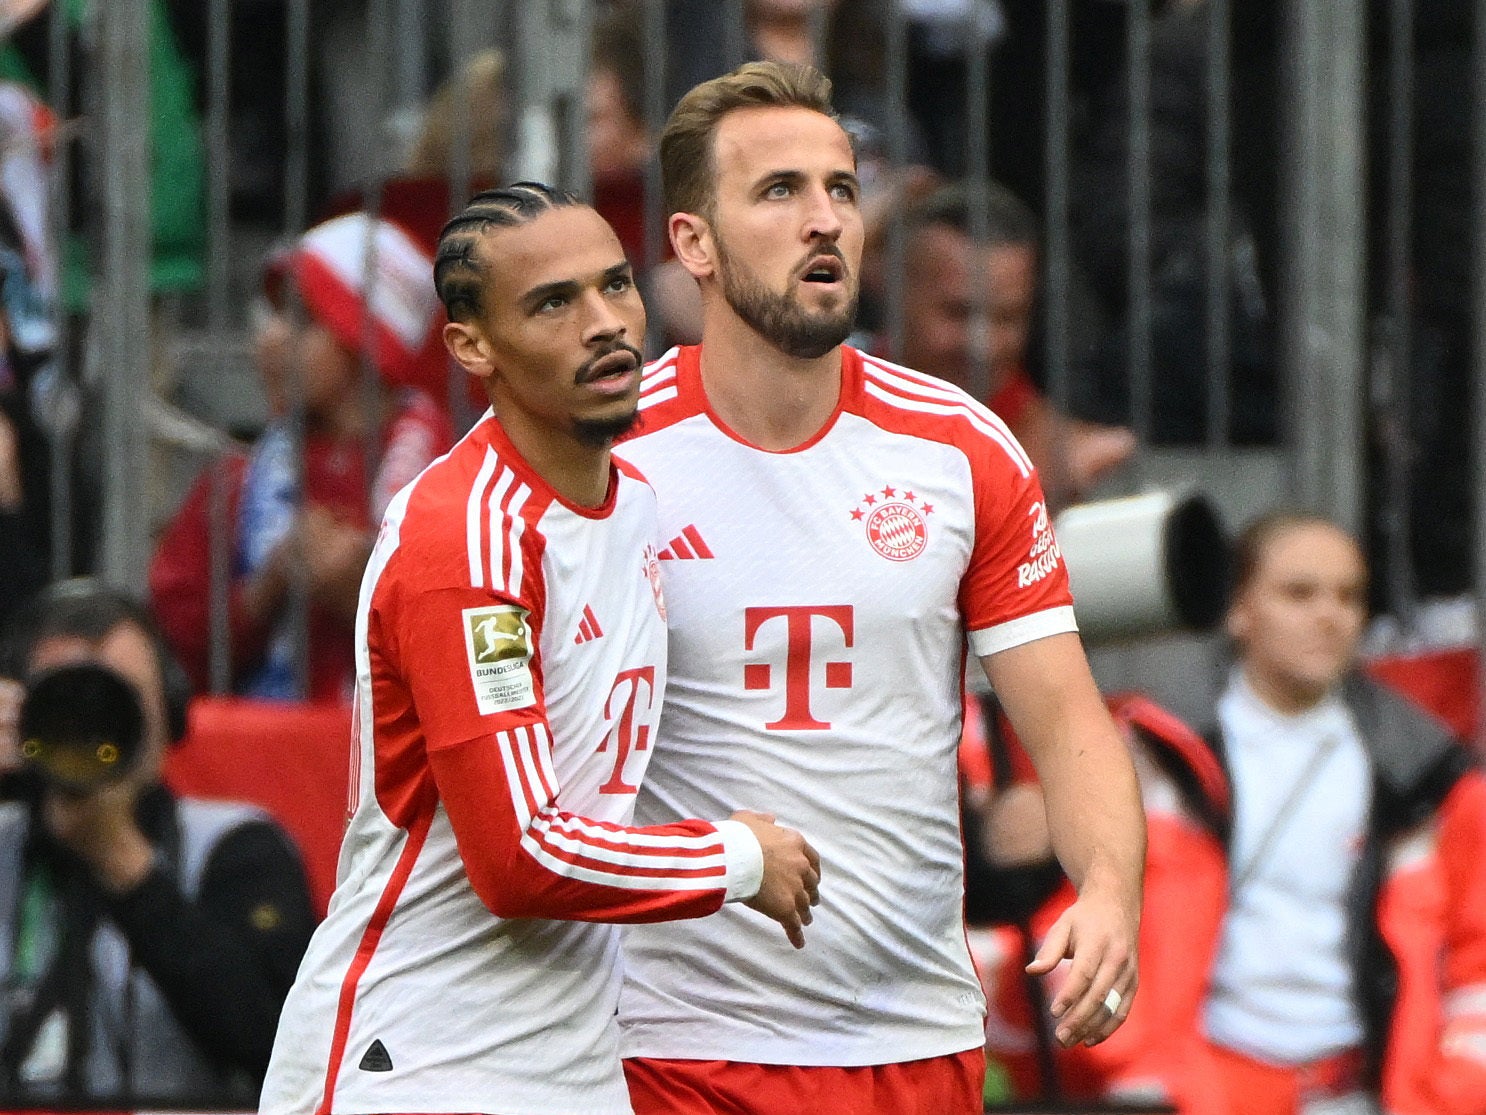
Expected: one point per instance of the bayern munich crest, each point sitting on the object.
(896, 521)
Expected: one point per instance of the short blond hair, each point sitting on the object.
(688, 173)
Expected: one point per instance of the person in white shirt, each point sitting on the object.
(1282, 993)
(837, 533)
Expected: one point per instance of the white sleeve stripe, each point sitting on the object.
(898, 379)
(472, 519)
(517, 572)
(521, 797)
(498, 541)
(904, 380)
(658, 375)
(1005, 440)
(1024, 629)
(664, 395)
(1465, 1000)
(524, 745)
(596, 854)
(559, 866)
(581, 825)
(540, 743)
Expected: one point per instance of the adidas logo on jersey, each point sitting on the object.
(686, 546)
(588, 627)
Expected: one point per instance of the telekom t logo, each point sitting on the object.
(626, 734)
(799, 622)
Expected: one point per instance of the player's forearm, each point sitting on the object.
(550, 863)
(1094, 812)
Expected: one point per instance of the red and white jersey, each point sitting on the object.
(821, 601)
(511, 659)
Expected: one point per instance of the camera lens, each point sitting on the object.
(81, 726)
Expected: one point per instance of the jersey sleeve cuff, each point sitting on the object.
(745, 860)
(1024, 629)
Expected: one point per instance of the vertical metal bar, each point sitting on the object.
(552, 58)
(296, 216)
(656, 64)
(1218, 292)
(297, 116)
(219, 168)
(123, 291)
(59, 197)
(1139, 308)
(1057, 244)
(897, 153)
(1321, 304)
(219, 278)
(1478, 357)
(978, 170)
(735, 45)
(573, 21)
(1394, 392)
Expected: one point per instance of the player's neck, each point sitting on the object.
(576, 471)
(770, 399)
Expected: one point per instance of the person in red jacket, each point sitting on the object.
(1273, 895)
(366, 292)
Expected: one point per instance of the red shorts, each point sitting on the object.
(950, 1085)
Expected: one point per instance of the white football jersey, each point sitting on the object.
(821, 602)
(511, 659)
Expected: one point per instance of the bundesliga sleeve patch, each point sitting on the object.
(498, 642)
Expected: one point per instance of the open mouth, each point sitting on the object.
(612, 366)
(824, 269)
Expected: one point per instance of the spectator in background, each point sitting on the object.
(459, 149)
(968, 317)
(620, 143)
(151, 939)
(1353, 954)
(322, 527)
(1015, 892)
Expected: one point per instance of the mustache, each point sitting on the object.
(826, 250)
(585, 371)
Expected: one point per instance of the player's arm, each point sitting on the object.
(1096, 821)
(525, 853)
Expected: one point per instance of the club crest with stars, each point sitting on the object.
(896, 521)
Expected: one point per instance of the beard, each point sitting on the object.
(780, 319)
(600, 433)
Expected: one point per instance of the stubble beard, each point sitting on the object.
(600, 433)
(780, 319)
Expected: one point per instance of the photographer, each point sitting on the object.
(151, 940)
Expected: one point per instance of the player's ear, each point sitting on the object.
(467, 343)
(691, 240)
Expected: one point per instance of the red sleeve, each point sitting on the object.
(1015, 395)
(1457, 1079)
(491, 754)
(180, 578)
(1016, 568)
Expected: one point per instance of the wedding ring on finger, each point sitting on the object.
(1113, 1000)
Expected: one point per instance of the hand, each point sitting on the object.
(100, 828)
(1099, 937)
(791, 875)
(12, 693)
(335, 554)
(12, 493)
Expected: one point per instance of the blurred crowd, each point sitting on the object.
(1316, 906)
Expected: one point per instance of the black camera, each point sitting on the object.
(81, 727)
